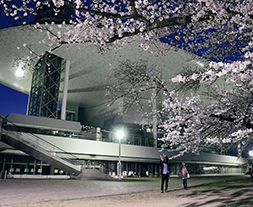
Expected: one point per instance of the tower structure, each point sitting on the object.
(43, 100)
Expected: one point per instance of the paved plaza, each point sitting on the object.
(24, 191)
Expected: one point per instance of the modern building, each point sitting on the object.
(69, 125)
(34, 145)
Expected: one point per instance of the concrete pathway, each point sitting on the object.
(22, 191)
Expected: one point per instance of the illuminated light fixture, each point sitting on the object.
(120, 134)
(200, 64)
(251, 153)
(19, 72)
(148, 130)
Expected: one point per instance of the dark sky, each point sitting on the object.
(12, 101)
(6, 21)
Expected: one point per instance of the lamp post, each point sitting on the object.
(120, 135)
(250, 163)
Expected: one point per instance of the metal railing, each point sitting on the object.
(40, 144)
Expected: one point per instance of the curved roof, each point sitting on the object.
(89, 67)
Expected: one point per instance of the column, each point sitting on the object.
(65, 91)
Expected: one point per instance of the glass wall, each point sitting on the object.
(43, 100)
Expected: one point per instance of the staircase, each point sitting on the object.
(39, 148)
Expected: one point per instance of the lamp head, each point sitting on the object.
(120, 134)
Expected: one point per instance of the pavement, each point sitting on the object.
(25, 191)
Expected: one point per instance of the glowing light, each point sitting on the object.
(120, 134)
(200, 64)
(19, 72)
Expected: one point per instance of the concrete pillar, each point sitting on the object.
(34, 167)
(51, 170)
(11, 165)
(3, 169)
(41, 162)
(178, 169)
(156, 171)
(154, 119)
(65, 91)
(98, 134)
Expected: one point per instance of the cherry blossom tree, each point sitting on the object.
(227, 120)
(207, 26)
(215, 116)
(217, 30)
(135, 81)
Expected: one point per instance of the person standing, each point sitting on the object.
(165, 172)
(184, 175)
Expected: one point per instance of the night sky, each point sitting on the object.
(12, 101)
(7, 21)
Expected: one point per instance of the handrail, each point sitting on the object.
(40, 144)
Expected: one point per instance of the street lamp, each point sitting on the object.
(119, 135)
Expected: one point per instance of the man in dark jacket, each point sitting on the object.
(165, 172)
